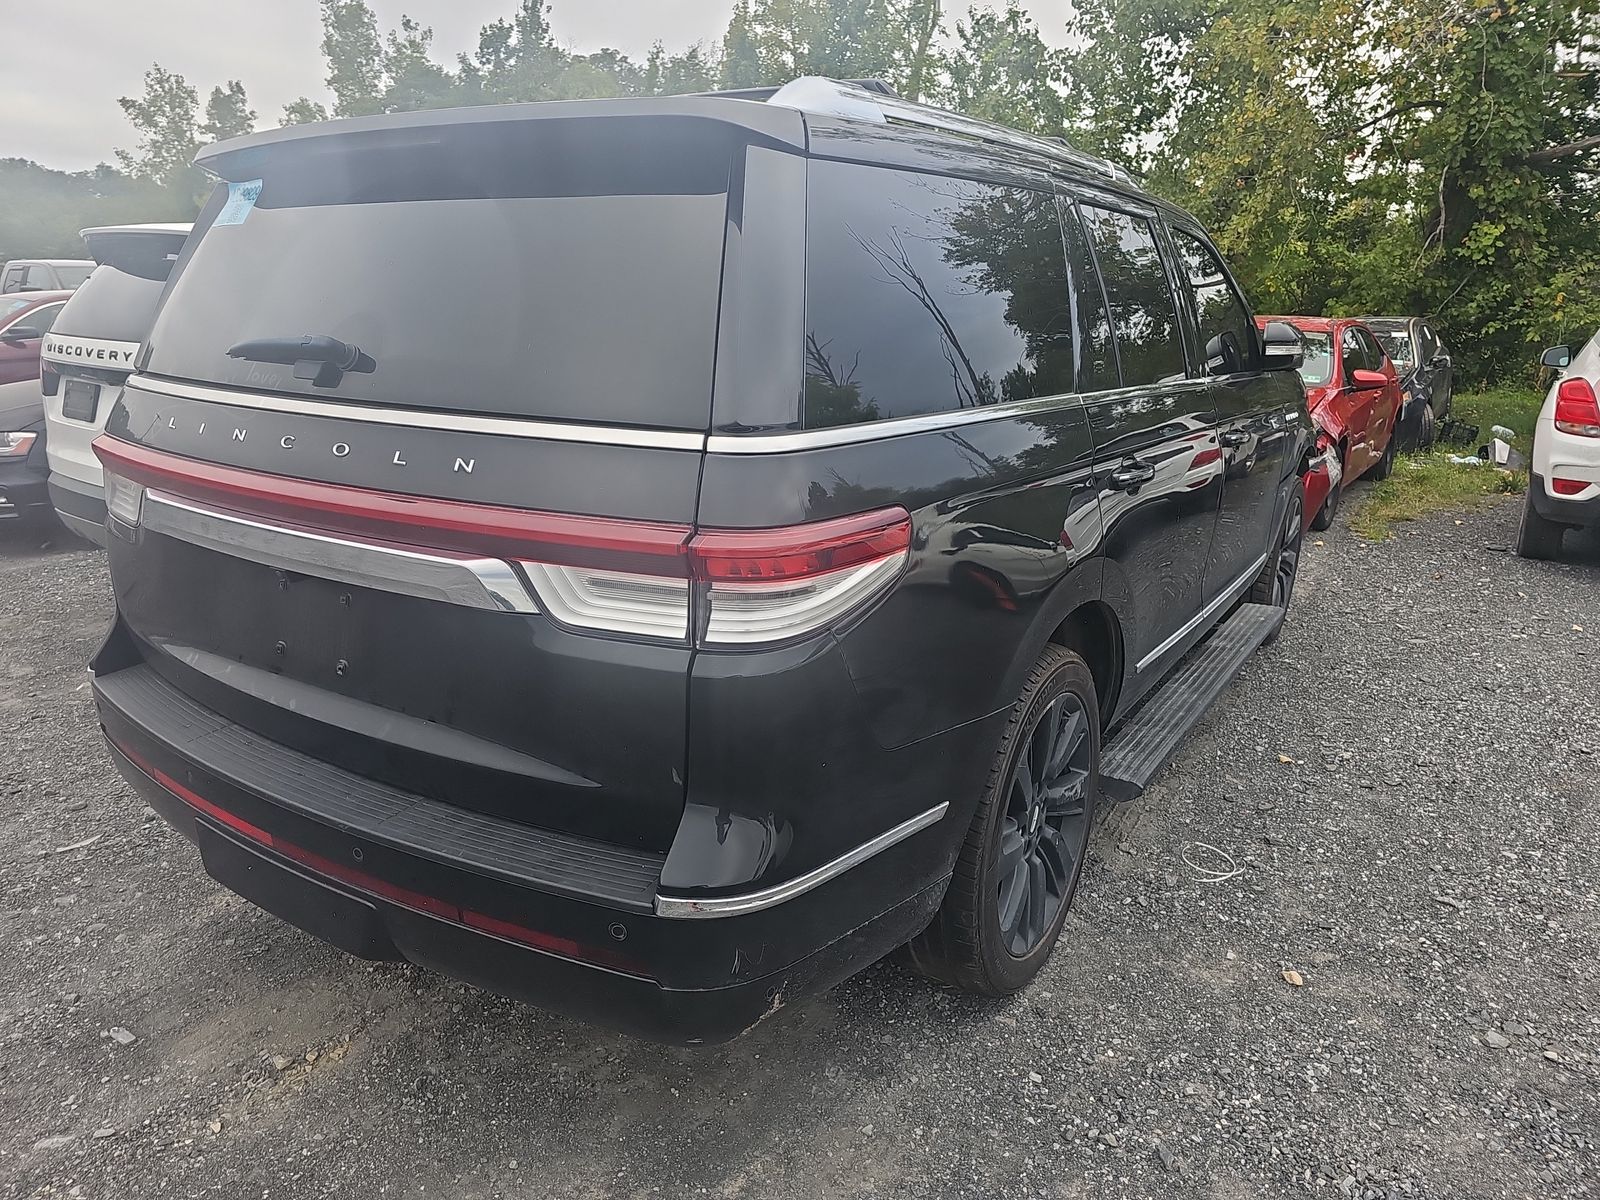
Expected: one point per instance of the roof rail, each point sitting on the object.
(880, 87)
(857, 100)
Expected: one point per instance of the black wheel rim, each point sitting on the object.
(1045, 826)
(1289, 555)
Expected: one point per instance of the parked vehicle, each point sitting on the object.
(1427, 376)
(43, 274)
(1353, 392)
(22, 453)
(724, 578)
(90, 353)
(1564, 482)
(24, 321)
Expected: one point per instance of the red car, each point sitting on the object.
(25, 317)
(1353, 393)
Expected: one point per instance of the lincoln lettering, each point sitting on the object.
(339, 449)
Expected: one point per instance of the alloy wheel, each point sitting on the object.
(1045, 827)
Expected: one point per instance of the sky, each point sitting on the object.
(69, 60)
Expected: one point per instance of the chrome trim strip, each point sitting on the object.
(872, 431)
(486, 583)
(684, 908)
(1224, 597)
(605, 435)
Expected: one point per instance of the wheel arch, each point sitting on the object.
(1093, 633)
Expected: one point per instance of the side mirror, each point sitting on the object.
(1557, 358)
(1363, 380)
(21, 333)
(1283, 346)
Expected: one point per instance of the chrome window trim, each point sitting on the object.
(605, 435)
(685, 908)
(486, 583)
(789, 441)
(1222, 598)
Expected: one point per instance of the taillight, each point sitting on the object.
(49, 378)
(714, 587)
(1568, 487)
(1577, 411)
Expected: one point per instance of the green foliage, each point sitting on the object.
(1387, 156)
(44, 209)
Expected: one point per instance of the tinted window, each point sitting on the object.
(544, 268)
(43, 319)
(112, 305)
(13, 279)
(1142, 308)
(926, 294)
(1097, 357)
(1354, 352)
(1374, 352)
(1228, 342)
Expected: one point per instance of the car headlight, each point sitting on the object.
(15, 445)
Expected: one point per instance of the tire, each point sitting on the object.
(1384, 467)
(1330, 507)
(1537, 536)
(971, 944)
(1275, 584)
(1429, 429)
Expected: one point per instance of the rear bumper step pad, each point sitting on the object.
(544, 860)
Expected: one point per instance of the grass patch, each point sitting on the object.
(1423, 484)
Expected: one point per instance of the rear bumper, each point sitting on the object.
(81, 507)
(1579, 511)
(561, 922)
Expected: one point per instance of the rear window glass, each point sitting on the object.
(929, 294)
(517, 269)
(1142, 307)
(112, 304)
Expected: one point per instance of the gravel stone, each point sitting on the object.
(1428, 665)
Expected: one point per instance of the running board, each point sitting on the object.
(1145, 744)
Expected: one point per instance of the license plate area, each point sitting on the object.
(80, 399)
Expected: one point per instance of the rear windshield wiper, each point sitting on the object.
(315, 356)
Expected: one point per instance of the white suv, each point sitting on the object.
(1564, 491)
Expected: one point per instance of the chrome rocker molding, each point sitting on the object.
(682, 907)
(485, 583)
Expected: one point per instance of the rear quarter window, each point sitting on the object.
(926, 293)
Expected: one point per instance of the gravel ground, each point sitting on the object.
(1417, 840)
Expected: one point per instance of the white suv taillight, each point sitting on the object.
(1577, 410)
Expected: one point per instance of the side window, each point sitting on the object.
(929, 294)
(13, 280)
(1143, 311)
(1430, 343)
(1097, 349)
(1228, 343)
(1374, 352)
(1352, 352)
(43, 319)
(41, 278)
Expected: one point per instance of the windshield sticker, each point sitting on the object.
(241, 199)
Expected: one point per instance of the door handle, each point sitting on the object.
(1131, 474)
(1232, 438)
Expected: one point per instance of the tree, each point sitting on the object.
(227, 113)
(302, 112)
(354, 52)
(1001, 70)
(165, 120)
(676, 74)
(413, 80)
(741, 57)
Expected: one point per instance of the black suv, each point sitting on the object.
(655, 557)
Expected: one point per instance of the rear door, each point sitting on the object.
(19, 356)
(438, 560)
(1157, 458)
(1355, 402)
(1249, 403)
(1383, 403)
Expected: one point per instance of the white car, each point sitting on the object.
(1564, 489)
(90, 351)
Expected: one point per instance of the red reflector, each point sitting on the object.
(1568, 487)
(1577, 410)
(371, 884)
(726, 555)
(652, 547)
